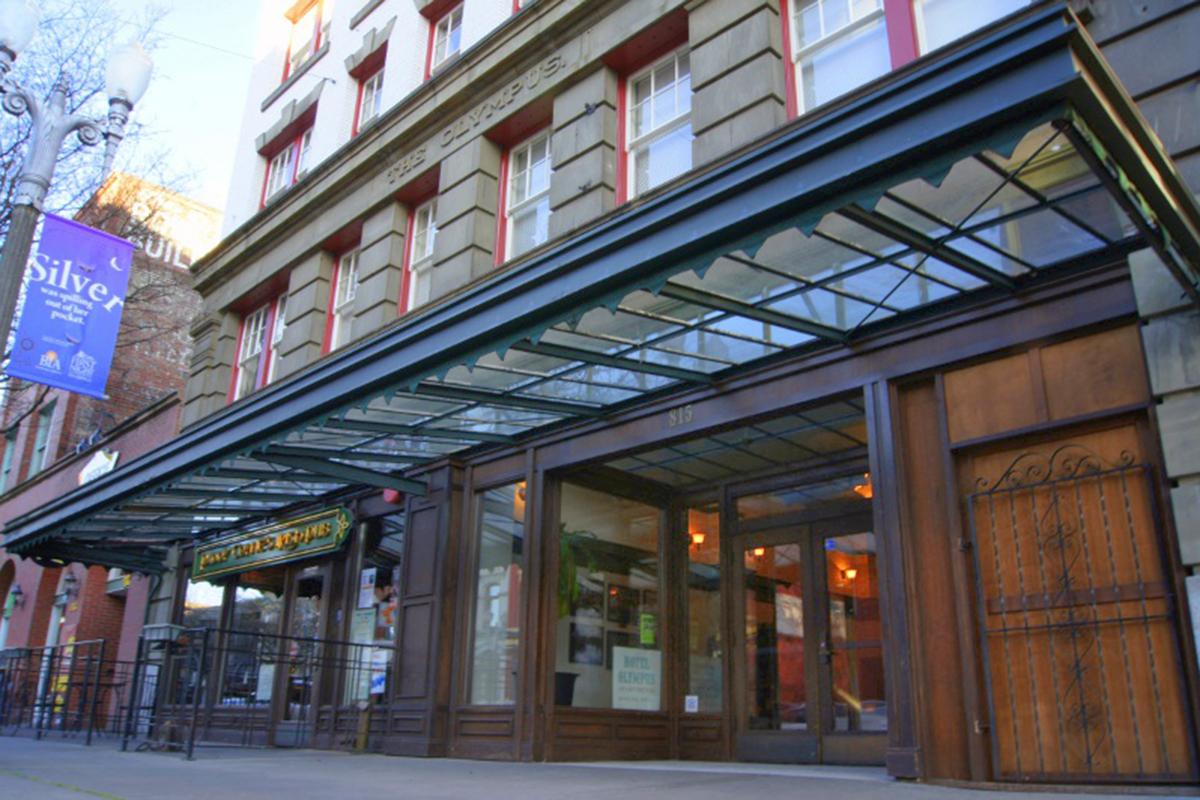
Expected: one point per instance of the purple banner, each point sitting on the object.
(74, 294)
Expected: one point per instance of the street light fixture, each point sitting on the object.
(126, 78)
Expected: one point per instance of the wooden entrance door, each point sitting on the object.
(1078, 611)
(809, 684)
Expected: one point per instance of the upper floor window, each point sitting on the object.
(309, 32)
(10, 447)
(940, 22)
(419, 257)
(447, 37)
(287, 166)
(258, 346)
(660, 127)
(345, 287)
(370, 99)
(839, 45)
(42, 451)
(527, 202)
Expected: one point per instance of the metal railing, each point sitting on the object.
(244, 688)
(76, 689)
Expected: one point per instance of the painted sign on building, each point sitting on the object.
(291, 540)
(74, 294)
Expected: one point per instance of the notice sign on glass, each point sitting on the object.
(636, 678)
(74, 294)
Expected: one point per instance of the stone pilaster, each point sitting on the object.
(307, 305)
(738, 59)
(214, 337)
(466, 216)
(380, 269)
(583, 150)
(1170, 332)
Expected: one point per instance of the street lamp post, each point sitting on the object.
(126, 78)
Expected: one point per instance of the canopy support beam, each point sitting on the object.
(344, 472)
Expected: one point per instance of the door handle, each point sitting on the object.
(824, 654)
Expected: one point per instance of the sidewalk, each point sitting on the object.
(49, 770)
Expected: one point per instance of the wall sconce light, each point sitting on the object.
(18, 596)
(849, 574)
(698, 538)
(759, 552)
(865, 490)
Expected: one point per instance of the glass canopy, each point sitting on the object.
(568, 336)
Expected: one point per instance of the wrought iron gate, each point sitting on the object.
(1078, 621)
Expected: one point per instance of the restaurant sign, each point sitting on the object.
(291, 540)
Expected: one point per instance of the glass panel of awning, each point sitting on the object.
(991, 219)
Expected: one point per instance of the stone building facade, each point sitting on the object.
(719, 379)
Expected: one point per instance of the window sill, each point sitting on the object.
(290, 81)
(364, 12)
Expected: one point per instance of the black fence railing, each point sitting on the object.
(232, 687)
(70, 690)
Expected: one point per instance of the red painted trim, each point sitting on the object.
(406, 275)
(354, 121)
(327, 341)
(501, 254)
(901, 31)
(235, 373)
(789, 62)
(429, 48)
(622, 144)
(516, 6)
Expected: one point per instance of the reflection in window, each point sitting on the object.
(660, 101)
(838, 45)
(373, 622)
(855, 633)
(202, 605)
(496, 630)
(608, 639)
(940, 22)
(704, 607)
(776, 685)
(249, 669)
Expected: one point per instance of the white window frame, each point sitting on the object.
(420, 260)
(800, 52)
(370, 102)
(302, 50)
(278, 326)
(289, 165)
(918, 12)
(635, 141)
(345, 290)
(513, 210)
(443, 32)
(41, 439)
(10, 449)
(250, 345)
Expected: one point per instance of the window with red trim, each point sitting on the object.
(525, 196)
(838, 45)
(309, 32)
(258, 344)
(657, 123)
(341, 300)
(370, 100)
(445, 39)
(418, 257)
(287, 165)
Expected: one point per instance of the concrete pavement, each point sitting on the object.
(52, 770)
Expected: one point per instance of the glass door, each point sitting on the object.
(809, 673)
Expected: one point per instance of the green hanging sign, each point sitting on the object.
(291, 540)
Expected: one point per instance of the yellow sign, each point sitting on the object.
(311, 535)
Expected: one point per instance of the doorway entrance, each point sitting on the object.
(808, 640)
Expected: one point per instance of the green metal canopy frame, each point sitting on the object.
(975, 172)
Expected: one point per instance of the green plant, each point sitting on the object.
(568, 567)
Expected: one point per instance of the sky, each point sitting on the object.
(197, 92)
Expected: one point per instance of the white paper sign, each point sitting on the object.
(691, 703)
(637, 678)
(379, 665)
(366, 588)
